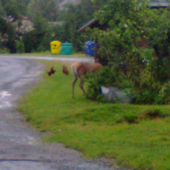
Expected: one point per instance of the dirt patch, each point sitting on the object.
(153, 114)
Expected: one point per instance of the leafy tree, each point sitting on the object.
(14, 8)
(20, 46)
(75, 16)
(26, 1)
(42, 8)
(32, 40)
(10, 11)
(98, 4)
(137, 44)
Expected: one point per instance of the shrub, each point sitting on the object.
(107, 76)
(144, 89)
(20, 46)
(32, 40)
(152, 85)
(141, 50)
(163, 96)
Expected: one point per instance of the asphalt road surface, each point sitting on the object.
(20, 144)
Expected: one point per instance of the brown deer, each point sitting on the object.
(52, 71)
(80, 70)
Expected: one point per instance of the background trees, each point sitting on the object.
(63, 28)
(50, 22)
(45, 16)
(74, 17)
(42, 8)
(10, 11)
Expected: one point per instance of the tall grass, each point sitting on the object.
(137, 136)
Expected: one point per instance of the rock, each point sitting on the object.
(113, 95)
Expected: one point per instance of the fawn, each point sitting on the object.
(80, 70)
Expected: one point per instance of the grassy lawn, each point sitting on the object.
(137, 136)
(48, 53)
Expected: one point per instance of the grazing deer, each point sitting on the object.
(52, 71)
(80, 70)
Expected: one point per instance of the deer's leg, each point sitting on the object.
(81, 85)
(74, 82)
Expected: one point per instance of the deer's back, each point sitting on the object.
(94, 67)
(75, 67)
(80, 68)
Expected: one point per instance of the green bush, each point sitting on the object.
(20, 47)
(107, 76)
(136, 46)
(32, 40)
(146, 88)
(163, 96)
(152, 84)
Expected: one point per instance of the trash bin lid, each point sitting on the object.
(66, 44)
(89, 43)
(55, 42)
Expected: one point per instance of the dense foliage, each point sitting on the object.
(42, 8)
(137, 45)
(75, 16)
(10, 11)
(49, 22)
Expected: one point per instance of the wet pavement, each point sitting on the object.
(20, 144)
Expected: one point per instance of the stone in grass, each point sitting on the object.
(114, 95)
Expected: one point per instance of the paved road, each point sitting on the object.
(20, 144)
(55, 58)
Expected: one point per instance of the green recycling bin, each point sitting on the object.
(66, 49)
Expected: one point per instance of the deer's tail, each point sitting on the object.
(76, 67)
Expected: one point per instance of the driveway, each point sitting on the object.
(20, 144)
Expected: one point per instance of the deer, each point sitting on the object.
(52, 71)
(80, 70)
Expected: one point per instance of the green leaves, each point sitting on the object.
(42, 8)
(138, 37)
(13, 8)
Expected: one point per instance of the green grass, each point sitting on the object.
(137, 136)
(48, 53)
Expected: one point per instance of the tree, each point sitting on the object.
(42, 8)
(75, 16)
(10, 11)
(14, 8)
(137, 45)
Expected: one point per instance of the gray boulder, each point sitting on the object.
(113, 95)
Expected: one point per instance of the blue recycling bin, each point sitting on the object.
(89, 48)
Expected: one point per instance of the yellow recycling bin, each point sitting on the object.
(55, 47)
